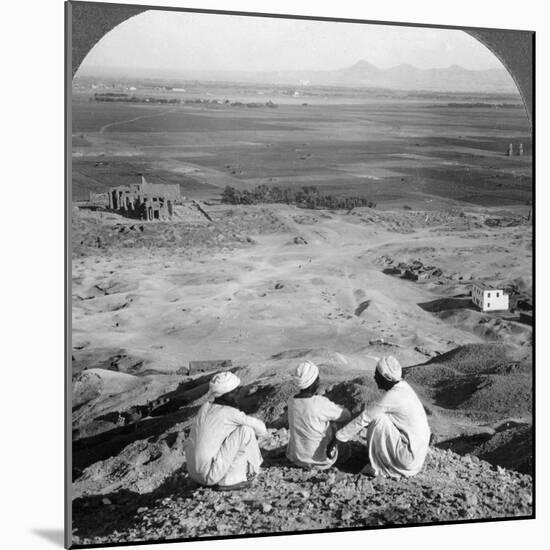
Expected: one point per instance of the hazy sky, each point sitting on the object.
(186, 41)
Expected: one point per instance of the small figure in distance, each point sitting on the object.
(311, 421)
(398, 434)
(222, 449)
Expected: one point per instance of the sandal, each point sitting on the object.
(234, 487)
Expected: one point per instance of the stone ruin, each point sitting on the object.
(213, 365)
(144, 201)
(413, 271)
(510, 151)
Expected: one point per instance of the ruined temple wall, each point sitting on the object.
(166, 190)
(146, 201)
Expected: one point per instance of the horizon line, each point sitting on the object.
(228, 71)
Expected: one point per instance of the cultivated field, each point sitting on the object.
(392, 151)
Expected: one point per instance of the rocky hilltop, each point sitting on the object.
(284, 499)
(132, 484)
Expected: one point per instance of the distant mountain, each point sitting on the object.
(408, 77)
(403, 77)
(362, 69)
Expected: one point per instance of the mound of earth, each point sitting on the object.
(92, 385)
(104, 399)
(490, 328)
(510, 447)
(502, 395)
(284, 499)
(354, 394)
(486, 382)
(141, 467)
(118, 360)
(476, 358)
(113, 234)
(86, 386)
(250, 219)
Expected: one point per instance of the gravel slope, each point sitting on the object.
(450, 488)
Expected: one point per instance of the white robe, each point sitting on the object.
(309, 422)
(222, 447)
(398, 434)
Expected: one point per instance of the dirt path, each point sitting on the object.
(104, 128)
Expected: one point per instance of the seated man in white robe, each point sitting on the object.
(311, 419)
(222, 448)
(398, 434)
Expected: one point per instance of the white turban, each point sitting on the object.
(389, 368)
(223, 382)
(305, 374)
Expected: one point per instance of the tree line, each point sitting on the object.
(126, 98)
(304, 197)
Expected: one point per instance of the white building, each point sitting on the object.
(488, 298)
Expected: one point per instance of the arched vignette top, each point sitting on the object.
(89, 22)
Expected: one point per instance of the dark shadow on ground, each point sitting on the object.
(464, 444)
(450, 394)
(358, 458)
(361, 307)
(107, 444)
(443, 304)
(88, 450)
(276, 458)
(101, 515)
(511, 447)
(523, 319)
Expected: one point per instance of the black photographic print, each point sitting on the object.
(299, 274)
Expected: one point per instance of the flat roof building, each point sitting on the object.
(488, 298)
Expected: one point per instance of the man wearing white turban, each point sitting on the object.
(398, 434)
(222, 448)
(310, 421)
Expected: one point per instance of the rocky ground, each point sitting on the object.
(284, 499)
(132, 484)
